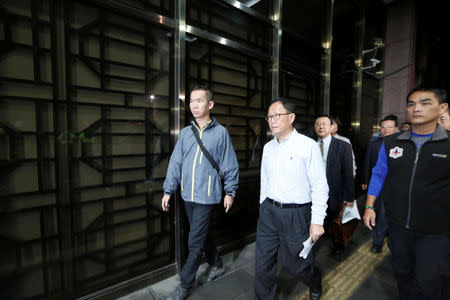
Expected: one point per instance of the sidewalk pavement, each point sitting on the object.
(355, 274)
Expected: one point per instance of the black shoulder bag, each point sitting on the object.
(206, 153)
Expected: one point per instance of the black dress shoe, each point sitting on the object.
(315, 291)
(376, 248)
(338, 251)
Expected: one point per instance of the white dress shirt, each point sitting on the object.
(353, 154)
(326, 146)
(292, 172)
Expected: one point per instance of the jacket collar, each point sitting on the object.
(438, 135)
(213, 123)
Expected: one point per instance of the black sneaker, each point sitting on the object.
(214, 273)
(179, 294)
(376, 248)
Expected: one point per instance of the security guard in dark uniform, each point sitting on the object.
(413, 168)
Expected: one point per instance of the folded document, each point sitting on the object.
(307, 246)
(351, 213)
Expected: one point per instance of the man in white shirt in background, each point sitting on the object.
(334, 132)
(293, 200)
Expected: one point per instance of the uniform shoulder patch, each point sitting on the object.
(396, 152)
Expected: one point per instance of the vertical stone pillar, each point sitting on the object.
(399, 59)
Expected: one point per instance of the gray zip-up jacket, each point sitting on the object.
(189, 168)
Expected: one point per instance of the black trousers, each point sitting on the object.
(421, 263)
(200, 240)
(282, 230)
(382, 223)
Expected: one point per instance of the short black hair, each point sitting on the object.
(325, 116)
(390, 118)
(205, 88)
(287, 104)
(335, 120)
(440, 94)
(407, 123)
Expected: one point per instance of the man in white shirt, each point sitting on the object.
(293, 200)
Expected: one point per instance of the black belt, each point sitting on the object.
(286, 205)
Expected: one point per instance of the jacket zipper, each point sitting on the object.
(193, 171)
(413, 174)
(195, 161)
(209, 186)
(408, 219)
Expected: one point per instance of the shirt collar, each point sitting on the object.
(294, 131)
(211, 122)
(326, 140)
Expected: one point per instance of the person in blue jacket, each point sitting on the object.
(201, 186)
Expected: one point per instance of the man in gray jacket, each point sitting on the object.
(201, 186)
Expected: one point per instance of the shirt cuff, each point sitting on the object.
(230, 193)
(317, 220)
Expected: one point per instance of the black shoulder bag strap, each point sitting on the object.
(208, 156)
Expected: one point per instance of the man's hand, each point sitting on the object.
(227, 202)
(364, 186)
(369, 218)
(350, 204)
(165, 202)
(316, 231)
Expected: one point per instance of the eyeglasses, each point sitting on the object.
(322, 124)
(387, 126)
(275, 117)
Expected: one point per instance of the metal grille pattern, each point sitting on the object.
(98, 222)
(87, 106)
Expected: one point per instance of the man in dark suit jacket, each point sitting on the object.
(338, 164)
(370, 160)
(388, 126)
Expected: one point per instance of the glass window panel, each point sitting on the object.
(221, 19)
(76, 209)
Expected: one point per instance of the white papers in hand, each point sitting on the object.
(307, 246)
(351, 213)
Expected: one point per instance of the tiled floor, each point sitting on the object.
(356, 274)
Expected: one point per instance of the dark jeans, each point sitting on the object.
(282, 230)
(421, 263)
(382, 223)
(200, 239)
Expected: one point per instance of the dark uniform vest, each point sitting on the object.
(417, 187)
